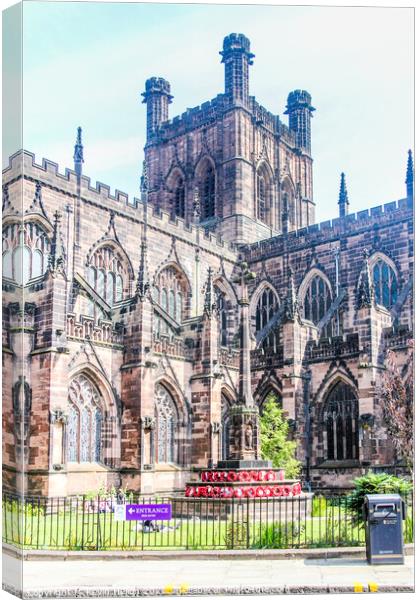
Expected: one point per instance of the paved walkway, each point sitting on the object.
(122, 578)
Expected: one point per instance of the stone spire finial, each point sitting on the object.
(365, 291)
(56, 258)
(143, 284)
(343, 200)
(144, 183)
(78, 153)
(209, 296)
(291, 308)
(409, 180)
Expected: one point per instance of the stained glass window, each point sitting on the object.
(25, 252)
(385, 284)
(341, 417)
(267, 306)
(84, 424)
(261, 198)
(317, 302)
(170, 291)
(72, 434)
(166, 418)
(107, 273)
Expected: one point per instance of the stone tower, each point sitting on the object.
(247, 173)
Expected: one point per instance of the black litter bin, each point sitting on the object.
(384, 515)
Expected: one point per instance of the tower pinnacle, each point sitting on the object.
(343, 200)
(237, 57)
(409, 180)
(300, 109)
(157, 97)
(78, 153)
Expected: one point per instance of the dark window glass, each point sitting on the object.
(341, 415)
(385, 284)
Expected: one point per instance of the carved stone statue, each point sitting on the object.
(248, 437)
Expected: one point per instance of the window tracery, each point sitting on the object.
(317, 301)
(25, 252)
(384, 283)
(267, 306)
(170, 292)
(166, 423)
(84, 423)
(107, 274)
(341, 421)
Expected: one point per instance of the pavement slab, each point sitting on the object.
(119, 578)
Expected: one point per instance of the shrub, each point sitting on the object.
(279, 535)
(376, 483)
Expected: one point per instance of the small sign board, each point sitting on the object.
(143, 512)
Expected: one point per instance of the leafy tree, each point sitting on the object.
(395, 394)
(275, 446)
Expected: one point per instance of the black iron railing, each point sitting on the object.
(86, 523)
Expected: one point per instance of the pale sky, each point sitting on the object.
(86, 64)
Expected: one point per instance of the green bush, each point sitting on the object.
(279, 535)
(376, 483)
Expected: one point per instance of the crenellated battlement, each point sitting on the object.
(328, 231)
(99, 194)
(210, 111)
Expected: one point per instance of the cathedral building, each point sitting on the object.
(120, 316)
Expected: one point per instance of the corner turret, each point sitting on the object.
(157, 98)
(237, 57)
(300, 111)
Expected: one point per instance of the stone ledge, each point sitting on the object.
(298, 553)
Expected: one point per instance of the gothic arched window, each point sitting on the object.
(225, 427)
(262, 204)
(288, 207)
(25, 252)
(317, 301)
(207, 192)
(170, 292)
(267, 306)
(223, 316)
(341, 422)
(179, 198)
(384, 283)
(107, 274)
(84, 423)
(166, 425)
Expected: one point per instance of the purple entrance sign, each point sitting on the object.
(148, 512)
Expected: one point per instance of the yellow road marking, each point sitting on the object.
(168, 589)
(183, 588)
(358, 587)
(373, 587)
